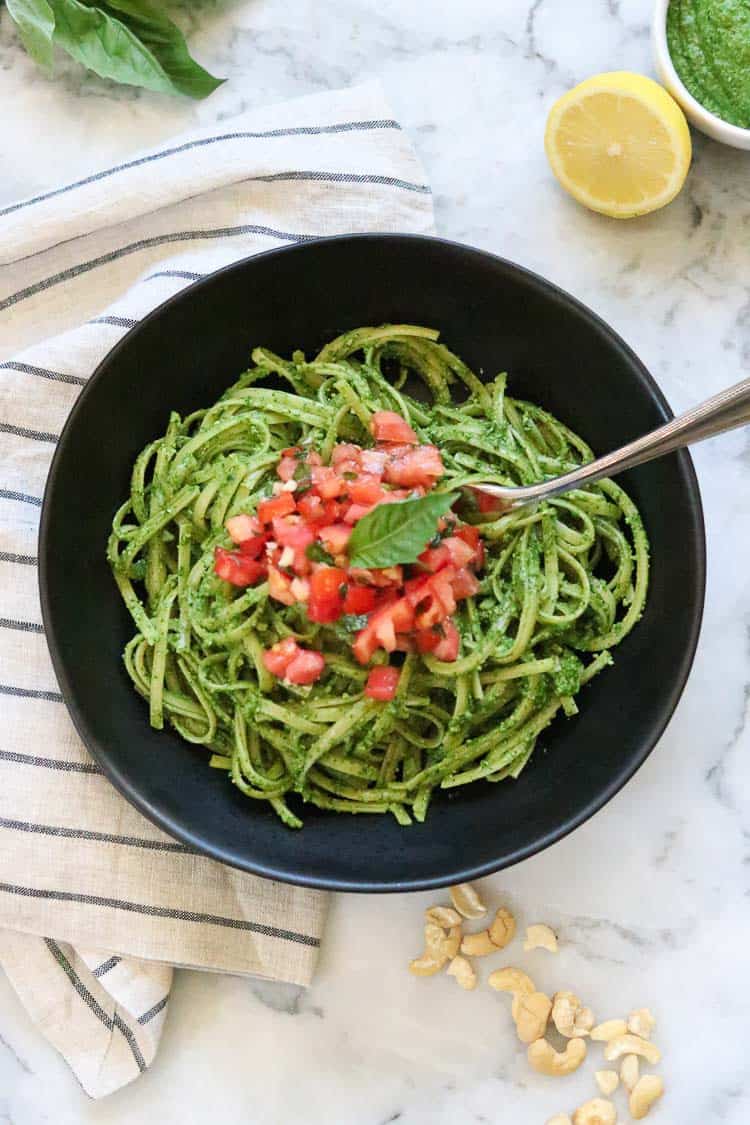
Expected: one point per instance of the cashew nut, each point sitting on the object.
(607, 1081)
(467, 902)
(425, 966)
(560, 1119)
(569, 1017)
(540, 937)
(648, 1090)
(503, 928)
(439, 944)
(478, 945)
(632, 1045)
(545, 1059)
(531, 1015)
(444, 916)
(598, 1111)
(630, 1072)
(511, 980)
(610, 1029)
(464, 973)
(641, 1022)
(439, 947)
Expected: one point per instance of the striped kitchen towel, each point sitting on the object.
(96, 904)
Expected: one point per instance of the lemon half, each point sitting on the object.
(619, 144)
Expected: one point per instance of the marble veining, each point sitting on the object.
(652, 897)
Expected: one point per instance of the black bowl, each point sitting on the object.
(496, 316)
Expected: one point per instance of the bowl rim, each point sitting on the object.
(704, 119)
(130, 790)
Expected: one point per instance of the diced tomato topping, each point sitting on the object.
(345, 451)
(380, 577)
(373, 461)
(435, 558)
(360, 599)
(242, 527)
(382, 683)
(326, 482)
(237, 568)
(281, 505)
(253, 547)
(355, 512)
(312, 509)
(460, 552)
(366, 489)
(286, 468)
(297, 535)
(280, 586)
(327, 589)
(428, 639)
(465, 584)
(278, 658)
(470, 535)
(447, 649)
(386, 425)
(335, 537)
(487, 503)
(420, 466)
(407, 608)
(306, 667)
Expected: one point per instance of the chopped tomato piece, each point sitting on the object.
(487, 503)
(366, 489)
(326, 482)
(237, 568)
(286, 468)
(365, 644)
(335, 537)
(292, 451)
(360, 599)
(281, 505)
(253, 547)
(355, 512)
(386, 425)
(416, 467)
(435, 558)
(465, 584)
(345, 452)
(460, 552)
(373, 461)
(306, 667)
(280, 586)
(471, 535)
(398, 617)
(242, 527)
(382, 683)
(442, 588)
(447, 649)
(296, 535)
(428, 639)
(380, 577)
(327, 589)
(314, 510)
(278, 658)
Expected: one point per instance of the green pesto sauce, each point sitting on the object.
(709, 42)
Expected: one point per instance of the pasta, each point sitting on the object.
(563, 582)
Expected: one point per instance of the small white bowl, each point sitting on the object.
(697, 114)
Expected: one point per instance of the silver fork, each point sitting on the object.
(725, 411)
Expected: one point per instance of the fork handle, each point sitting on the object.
(724, 411)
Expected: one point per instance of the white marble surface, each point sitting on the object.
(651, 897)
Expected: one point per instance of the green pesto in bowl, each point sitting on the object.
(709, 43)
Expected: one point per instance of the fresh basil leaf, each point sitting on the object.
(316, 553)
(397, 533)
(106, 44)
(35, 21)
(166, 41)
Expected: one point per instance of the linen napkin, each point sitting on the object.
(96, 904)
